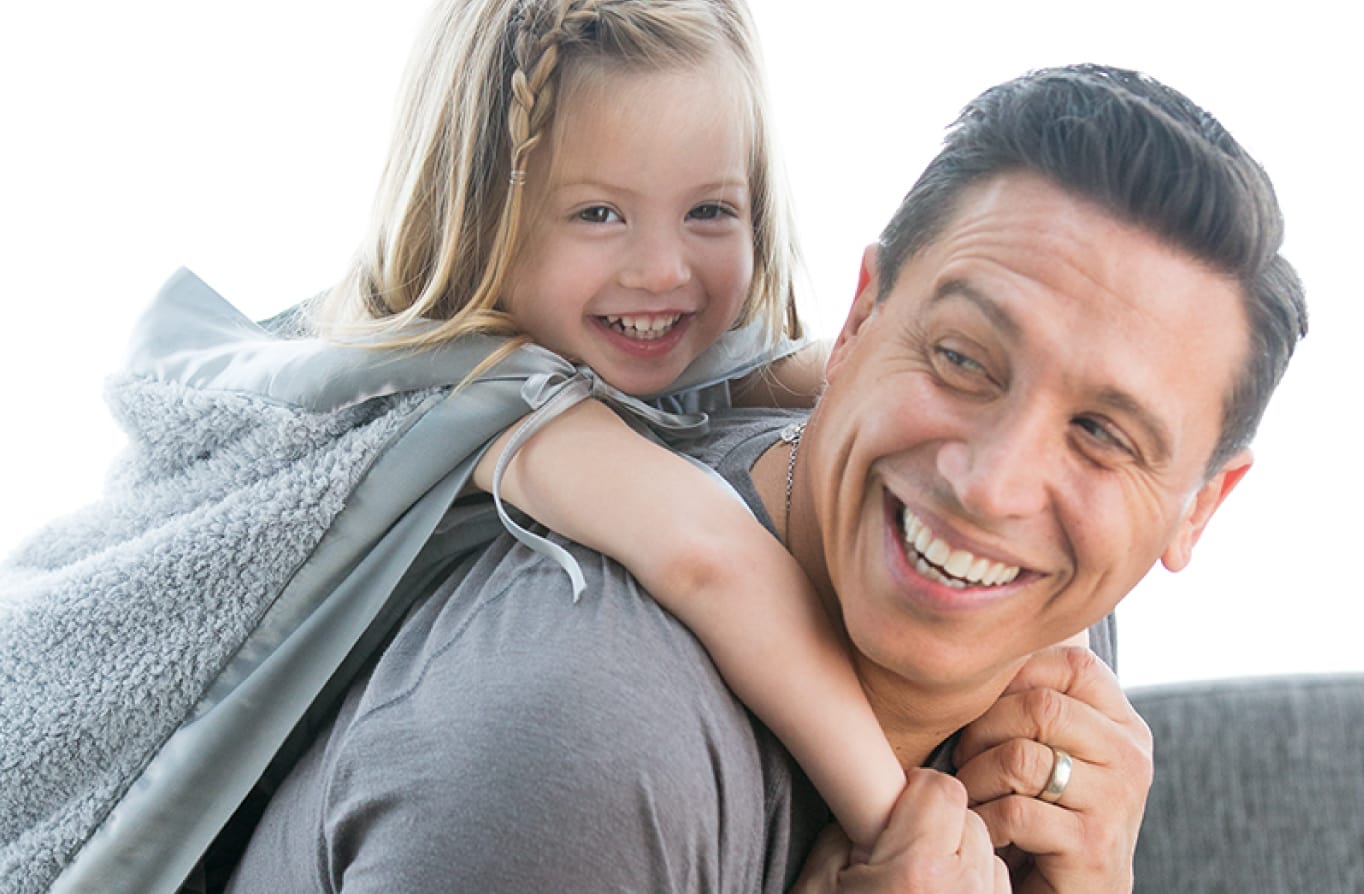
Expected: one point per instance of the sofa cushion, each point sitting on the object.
(1259, 786)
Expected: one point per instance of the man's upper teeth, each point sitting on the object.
(960, 564)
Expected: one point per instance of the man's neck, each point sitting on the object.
(916, 719)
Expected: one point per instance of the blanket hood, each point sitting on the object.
(281, 503)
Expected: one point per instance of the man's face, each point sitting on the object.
(1013, 437)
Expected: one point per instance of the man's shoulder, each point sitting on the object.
(506, 639)
(735, 438)
(731, 428)
(564, 728)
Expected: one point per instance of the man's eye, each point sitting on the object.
(959, 360)
(598, 214)
(710, 211)
(1099, 432)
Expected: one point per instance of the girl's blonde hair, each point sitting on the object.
(479, 95)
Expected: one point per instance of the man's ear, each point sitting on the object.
(1204, 503)
(863, 306)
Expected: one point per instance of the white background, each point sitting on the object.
(243, 140)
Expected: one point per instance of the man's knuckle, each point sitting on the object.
(937, 785)
(1136, 757)
(1046, 709)
(1022, 764)
(1142, 734)
(1012, 812)
(1082, 662)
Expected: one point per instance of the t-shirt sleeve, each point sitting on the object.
(1103, 639)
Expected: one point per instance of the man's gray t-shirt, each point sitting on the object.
(512, 740)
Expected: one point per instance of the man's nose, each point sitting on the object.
(657, 262)
(1001, 467)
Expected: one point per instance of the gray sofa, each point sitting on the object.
(1259, 787)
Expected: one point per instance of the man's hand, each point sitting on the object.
(932, 845)
(1068, 699)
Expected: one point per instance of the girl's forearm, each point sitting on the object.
(702, 555)
(775, 645)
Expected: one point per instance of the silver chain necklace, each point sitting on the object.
(791, 435)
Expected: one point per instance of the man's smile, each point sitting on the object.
(936, 560)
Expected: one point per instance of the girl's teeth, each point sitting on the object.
(641, 325)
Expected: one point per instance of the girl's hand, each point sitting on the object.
(933, 844)
(1063, 698)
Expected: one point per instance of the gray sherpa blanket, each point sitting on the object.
(280, 504)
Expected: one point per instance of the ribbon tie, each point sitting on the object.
(552, 393)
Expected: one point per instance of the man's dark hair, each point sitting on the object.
(1149, 156)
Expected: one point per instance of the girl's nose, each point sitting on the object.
(657, 263)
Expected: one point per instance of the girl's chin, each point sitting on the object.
(636, 382)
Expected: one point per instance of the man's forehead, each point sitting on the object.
(1027, 222)
(1029, 205)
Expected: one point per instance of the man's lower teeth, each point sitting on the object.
(934, 574)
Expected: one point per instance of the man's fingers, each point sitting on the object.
(1045, 715)
(977, 850)
(1020, 767)
(1002, 883)
(932, 844)
(1034, 826)
(1065, 697)
(928, 816)
(1076, 671)
(976, 846)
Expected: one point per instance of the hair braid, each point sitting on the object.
(535, 49)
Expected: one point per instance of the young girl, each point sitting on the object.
(597, 177)
(592, 176)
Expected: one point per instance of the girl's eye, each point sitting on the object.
(598, 214)
(710, 211)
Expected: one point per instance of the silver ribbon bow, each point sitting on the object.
(551, 393)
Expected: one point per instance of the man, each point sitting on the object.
(1049, 380)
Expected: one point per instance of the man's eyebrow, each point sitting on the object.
(1113, 398)
(1126, 404)
(960, 288)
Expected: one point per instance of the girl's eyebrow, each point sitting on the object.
(738, 183)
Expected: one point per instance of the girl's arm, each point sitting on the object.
(705, 558)
(792, 381)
